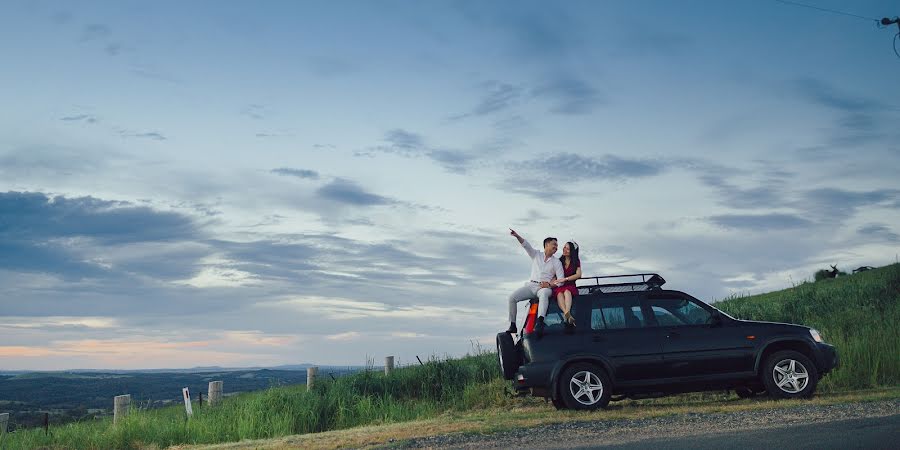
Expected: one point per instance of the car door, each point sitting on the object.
(694, 344)
(620, 333)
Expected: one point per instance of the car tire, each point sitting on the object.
(507, 355)
(584, 386)
(558, 403)
(789, 374)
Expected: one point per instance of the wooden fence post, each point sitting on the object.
(388, 364)
(120, 406)
(214, 395)
(311, 377)
(4, 420)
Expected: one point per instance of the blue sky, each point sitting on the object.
(201, 183)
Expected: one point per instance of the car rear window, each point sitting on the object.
(611, 314)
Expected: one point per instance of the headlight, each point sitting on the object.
(815, 335)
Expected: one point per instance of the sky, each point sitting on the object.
(250, 184)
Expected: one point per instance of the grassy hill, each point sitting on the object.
(860, 314)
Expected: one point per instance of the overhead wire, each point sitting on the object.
(878, 23)
(834, 11)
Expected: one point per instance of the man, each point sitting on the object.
(545, 271)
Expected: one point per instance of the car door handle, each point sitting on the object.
(672, 334)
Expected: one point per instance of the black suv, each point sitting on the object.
(636, 340)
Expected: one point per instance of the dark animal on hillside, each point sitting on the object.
(833, 273)
(862, 269)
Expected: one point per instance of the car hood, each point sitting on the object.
(774, 325)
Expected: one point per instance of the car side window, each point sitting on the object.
(616, 314)
(676, 311)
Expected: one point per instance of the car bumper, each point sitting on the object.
(533, 376)
(827, 357)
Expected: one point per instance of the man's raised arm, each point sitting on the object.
(528, 248)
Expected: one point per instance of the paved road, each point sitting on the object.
(872, 433)
(806, 426)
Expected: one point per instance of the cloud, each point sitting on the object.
(607, 168)
(454, 161)
(95, 31)
(568, 95)
(770, 193)
(534, 33)
(348, 192)
(860, 118)
(835, 205)
(253, 111)
(85, 237)
(87, 118)
(407, 144)
(497, 96)
(531, 216)
(154, 135)
(404, 141)
(113, 49)
(346, 336)
(298, 173)
(38, 216)
(879, 231)
(760, 222)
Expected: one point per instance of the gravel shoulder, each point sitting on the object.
(623, 423)
(600, 433)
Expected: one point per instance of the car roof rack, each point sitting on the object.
(609, 284)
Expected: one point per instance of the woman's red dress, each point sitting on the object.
(568, 285)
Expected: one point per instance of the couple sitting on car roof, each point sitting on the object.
(549, 276)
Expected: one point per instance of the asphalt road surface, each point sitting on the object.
(869, 425)
(871, 433)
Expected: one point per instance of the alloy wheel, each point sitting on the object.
(790, 376)
(586, 388)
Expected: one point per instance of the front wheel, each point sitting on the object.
(584, 386)
(790, 374)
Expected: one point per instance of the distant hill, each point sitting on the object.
(187, 370)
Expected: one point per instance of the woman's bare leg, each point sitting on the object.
(560, 300)
(568, 301)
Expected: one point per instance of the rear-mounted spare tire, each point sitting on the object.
(507, 355)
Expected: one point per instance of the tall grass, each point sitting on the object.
(367, 397)
(859, 314)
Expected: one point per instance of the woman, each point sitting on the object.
(572, 271)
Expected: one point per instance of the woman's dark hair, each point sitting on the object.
(573, 254)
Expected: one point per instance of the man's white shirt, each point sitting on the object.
(543, 268)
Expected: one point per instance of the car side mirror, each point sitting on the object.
(716, 319)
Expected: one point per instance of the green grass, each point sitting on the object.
(859, 314)
(368, 397)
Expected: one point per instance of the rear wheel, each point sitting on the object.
(584, 386)
(558, 403)
(507, 355)
(790, 374)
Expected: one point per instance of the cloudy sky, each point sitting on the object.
(236, 183)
